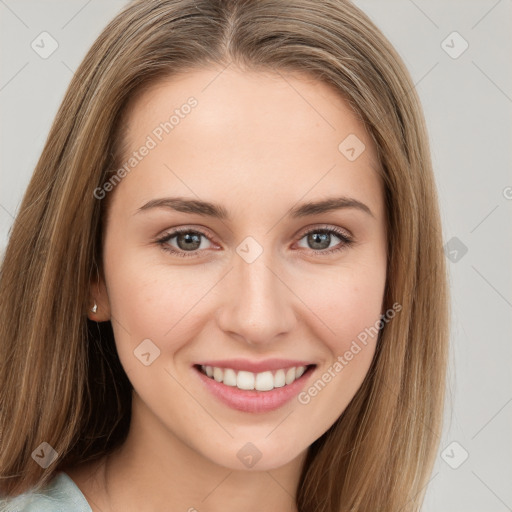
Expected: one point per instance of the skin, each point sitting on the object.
(258, 144)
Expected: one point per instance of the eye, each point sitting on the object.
(319, 239)
(188, 240)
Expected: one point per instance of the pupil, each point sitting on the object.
(320, 238)
(189, 238)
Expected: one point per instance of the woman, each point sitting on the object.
(217, 292)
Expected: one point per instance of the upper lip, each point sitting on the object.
(255, 366)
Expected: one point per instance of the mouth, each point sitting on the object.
(249, 391)
(262, 381)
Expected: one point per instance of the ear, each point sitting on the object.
(98, 294)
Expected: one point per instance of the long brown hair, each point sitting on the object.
(61, 381)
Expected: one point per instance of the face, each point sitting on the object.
(257, 289)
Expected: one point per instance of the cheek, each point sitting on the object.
(152, 301)
(345, 311)
(359, 308)
(345, 303)
(351, 310)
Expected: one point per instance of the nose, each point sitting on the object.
(257, 304)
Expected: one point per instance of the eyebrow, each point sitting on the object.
(207, 209)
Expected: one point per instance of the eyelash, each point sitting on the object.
(345, 241)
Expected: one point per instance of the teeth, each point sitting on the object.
(264, 381)
(229, 377)
(290, 376)
(218, 374)
(279, 379)
(245, 380)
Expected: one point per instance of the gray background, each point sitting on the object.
(468, 104)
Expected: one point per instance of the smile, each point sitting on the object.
(254, 391)
(263, 381)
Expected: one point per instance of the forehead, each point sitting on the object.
(267, 134)
(230, 98)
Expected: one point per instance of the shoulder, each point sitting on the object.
(59, 495)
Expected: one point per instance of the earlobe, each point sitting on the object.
(98, 308)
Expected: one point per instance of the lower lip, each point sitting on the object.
(252, 400)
